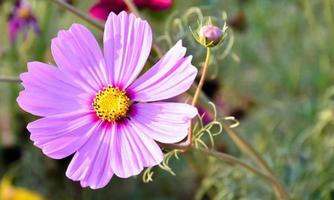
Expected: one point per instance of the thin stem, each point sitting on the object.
(250, 151)
(246, 148)
(10, 79)
(233, 160)
(79, 13)
(132, 7)
(198, 91)
(203, 77)
(183, 146)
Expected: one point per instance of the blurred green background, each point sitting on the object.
(277, 80)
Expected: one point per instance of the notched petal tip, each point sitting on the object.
(127, 42)
(113, 16)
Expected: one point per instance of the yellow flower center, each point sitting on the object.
(23, 13)
(111, 104)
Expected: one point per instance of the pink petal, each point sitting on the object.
(48, 91)
(127, 44)
(164, 122)
(91, 165)
(171, 76)
(61, 135)
(14, 26)
(133, 150)
(76, 52)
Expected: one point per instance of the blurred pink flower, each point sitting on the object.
(102, 9)
(94, 106)
(21, 19)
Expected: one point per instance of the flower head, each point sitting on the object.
(209, 35)
(93, 105)
(102, 9)
(21, 19)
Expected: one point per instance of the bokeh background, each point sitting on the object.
(277, 79)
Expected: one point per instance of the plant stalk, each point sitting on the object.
(79, 13)
(233, 160)
(10, 79)
(203, 77)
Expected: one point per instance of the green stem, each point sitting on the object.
(251, 152)
(203, 77)
(233, 160)
(246, 148)
(132, 7)
(10, 79)
(78, 13)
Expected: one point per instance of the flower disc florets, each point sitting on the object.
(111, 104)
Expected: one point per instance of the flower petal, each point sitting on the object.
(14, 25)
(164, 122)
(48, 91)
(171, 76)
(127, 44)
(77, 52)
(61, 135)
(133, 150)
(91, 164)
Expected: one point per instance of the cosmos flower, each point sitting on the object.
(102, 9)
(21, 19)
(92, 105)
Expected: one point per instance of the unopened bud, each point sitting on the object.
(210, 35)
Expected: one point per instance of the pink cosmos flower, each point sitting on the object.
(21, 19)
(102, 9)
(93, 106)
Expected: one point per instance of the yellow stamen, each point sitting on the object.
(111, 104)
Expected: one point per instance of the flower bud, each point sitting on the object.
(210, 35)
